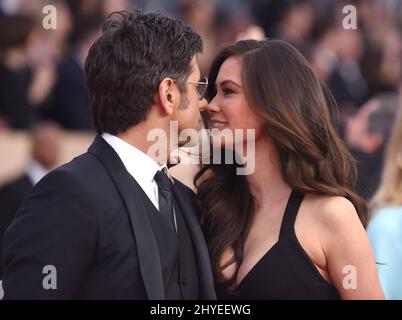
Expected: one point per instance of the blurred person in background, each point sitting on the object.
(375, 16)
(346, 80)
(289, 20)
(252, 31)
(385, 228)
(29, 57)
(296, 24)
(382, 62)
(201, 15)
(46, 50)
(110, 6)
(322, 56)
(366, 135)
(15, 73)
(267, 14)
(89, 9)
(170, 8)
(45, 155)
(231, 18)
(69, 103)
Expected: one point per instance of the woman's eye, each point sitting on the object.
(227, 91)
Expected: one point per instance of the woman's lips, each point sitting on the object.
(220, 125)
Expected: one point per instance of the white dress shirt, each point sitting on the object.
(35, 171)
(140, 166)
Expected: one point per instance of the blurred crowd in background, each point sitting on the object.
(42, 81)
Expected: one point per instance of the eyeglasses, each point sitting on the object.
(201, 87)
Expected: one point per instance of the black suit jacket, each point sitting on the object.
(87, 219)
(70, 104)
(11, 196)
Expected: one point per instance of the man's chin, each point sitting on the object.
(197, 126)
(189, 143)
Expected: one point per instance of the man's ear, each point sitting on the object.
(168, 95)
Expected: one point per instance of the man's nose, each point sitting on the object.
(203, 104)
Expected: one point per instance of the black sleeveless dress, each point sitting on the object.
(285, 271)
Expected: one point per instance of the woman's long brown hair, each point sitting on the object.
(283, 91)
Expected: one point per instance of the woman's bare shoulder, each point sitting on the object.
(331, 211)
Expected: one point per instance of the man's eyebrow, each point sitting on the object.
(229, 81)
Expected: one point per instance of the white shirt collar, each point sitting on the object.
(141, 166)
(35, 171)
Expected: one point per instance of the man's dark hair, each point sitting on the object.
(128, 61)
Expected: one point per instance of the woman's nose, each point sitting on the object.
(213, 106)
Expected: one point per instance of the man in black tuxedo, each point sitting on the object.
(111, 224)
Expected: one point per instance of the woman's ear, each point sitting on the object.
(168, 95)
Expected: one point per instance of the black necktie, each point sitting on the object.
(165, 197)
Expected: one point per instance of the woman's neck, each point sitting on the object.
(266, 182)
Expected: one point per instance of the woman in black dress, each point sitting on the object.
(293, 228)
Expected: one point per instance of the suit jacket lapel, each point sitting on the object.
(204, 266)
(148, 255)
